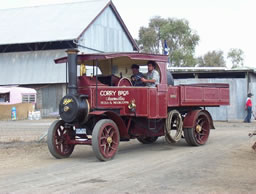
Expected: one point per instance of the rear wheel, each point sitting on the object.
(147, 140)
(105, 139)
(198, 135)
(57, 140)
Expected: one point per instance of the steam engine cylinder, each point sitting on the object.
(74, 108)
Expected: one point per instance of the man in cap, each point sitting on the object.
(153, 77)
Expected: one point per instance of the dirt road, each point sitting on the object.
(225, 164)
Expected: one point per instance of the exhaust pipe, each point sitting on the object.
(72, 71)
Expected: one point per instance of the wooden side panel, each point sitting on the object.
(211, 94)
(224, 95)
(173, 96)
(153, 103)
(204, 96)
(120, 98)
(162, 104)
(157, 107)
(191, 94)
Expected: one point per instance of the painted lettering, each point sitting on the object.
(107, 93)
(66, 101)
(123, 93)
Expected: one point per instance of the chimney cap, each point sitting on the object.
(72, 51)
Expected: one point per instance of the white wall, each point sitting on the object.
(34, 67)
(106, 34)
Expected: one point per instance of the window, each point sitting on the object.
(28, 98)
(5, 97)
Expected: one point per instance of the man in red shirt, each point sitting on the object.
(248, 107)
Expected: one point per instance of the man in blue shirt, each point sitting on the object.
(137, 75)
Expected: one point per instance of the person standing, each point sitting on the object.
(248, 108)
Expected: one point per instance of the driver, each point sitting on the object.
(137, 75)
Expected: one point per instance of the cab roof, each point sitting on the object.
(105, 56)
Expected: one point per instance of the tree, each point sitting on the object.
(236, 56)
(180, 39)
(212, 59)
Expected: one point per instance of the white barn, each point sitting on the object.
(32, 37)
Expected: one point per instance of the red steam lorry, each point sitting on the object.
(104, 108)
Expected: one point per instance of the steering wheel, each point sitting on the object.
(124, 82)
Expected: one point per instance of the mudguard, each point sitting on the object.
(117, 119)
(190, 119)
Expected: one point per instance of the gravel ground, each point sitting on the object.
(23, 131)
(226, 164)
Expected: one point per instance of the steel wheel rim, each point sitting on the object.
(202, 129)
(60, 140)
(108, 140)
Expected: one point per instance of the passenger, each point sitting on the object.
(153, 77)
(137, 75)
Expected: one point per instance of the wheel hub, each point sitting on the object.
(109, 140)
(198, 128)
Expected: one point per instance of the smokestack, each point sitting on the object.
(72, 71)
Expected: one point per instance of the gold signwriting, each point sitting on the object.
(67, 101)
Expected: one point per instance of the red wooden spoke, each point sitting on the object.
(111, 133)
(114, 142)
(107, 149)
(60, 140)
(113, 148)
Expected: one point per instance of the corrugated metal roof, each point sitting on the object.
(48, 23)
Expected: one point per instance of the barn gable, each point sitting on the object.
(106, 34)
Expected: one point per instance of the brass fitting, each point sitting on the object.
(82, 69)
(198, 128)
(132, 105)
(66, 108)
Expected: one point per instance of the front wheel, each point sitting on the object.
(198, 135)
(147, 140)
(105, 139)
(57, 140)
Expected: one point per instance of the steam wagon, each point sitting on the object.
(104, 108)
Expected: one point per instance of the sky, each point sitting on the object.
(221, 24)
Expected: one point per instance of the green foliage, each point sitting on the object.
(181, 40)
(212, 59)
(236, 56)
